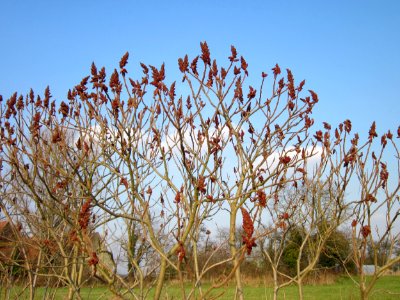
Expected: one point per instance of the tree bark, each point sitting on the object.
(161, 278)
(234, 253)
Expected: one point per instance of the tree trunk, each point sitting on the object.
(239, 286)
(363, 292)
(35, 276)
(196, 267)
(232, 244)
(70, 293)
(161, 278)
(300, 288)
(276, 283)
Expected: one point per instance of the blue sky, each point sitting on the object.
(348, 51)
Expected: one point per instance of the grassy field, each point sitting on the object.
(386, 288)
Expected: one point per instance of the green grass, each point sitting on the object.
(386, 288)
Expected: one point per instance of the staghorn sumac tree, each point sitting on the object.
(270, 140)
(138, 154)
(326, 202)
(376, 208)
(56, 213)
(264, 139)
(303, 216)
(152, 161)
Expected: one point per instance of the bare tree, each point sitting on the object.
(376, 208)
(131, 158)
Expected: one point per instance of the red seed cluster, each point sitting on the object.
(180, 252)
(262, 198)
(248, 228)
(365, 231)
(93, 261)
(84, 214)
